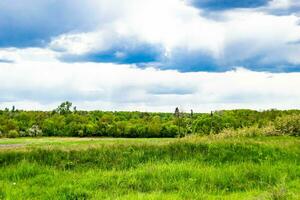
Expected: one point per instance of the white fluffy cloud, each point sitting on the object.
(283, 4)
(40, 84)
(250, 37)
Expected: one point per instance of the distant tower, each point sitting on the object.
(211, 121)
(177, 113)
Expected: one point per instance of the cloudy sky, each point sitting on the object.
(150, 55)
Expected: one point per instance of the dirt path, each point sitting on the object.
(10, 146)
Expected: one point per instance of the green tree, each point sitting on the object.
(64, 108)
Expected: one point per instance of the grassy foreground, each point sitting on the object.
(187, 168)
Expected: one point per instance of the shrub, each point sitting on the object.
(80, 133)
(13, 134)
(252, 131)
(270, 130)
(289, 124)
(1, 134)
(169, 131)
(23, 134)
(34, 131)
(243, 132)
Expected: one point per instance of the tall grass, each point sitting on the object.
(123, 156)
(190, 168)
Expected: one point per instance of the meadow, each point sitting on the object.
(193, 167)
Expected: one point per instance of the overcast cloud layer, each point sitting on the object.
(150, 55)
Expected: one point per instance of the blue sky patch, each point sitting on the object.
(6, 61)
(32, 23)
(228, 4)
(126, 52)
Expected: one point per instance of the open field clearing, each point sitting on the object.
(187, 168)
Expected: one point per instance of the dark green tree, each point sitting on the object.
(64, 108)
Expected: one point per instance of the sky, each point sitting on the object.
(150, 55)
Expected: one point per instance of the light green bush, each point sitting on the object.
(252, 131)
(289, 125)
(34, 131)
(23, 133)
(13, 134)
(80, 133)
(243, 132)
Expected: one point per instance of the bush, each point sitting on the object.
(289, 125)
(13, 134)
(243, 132)
(80, 133)
(252, 131)
(23, 134)
(1, 134)
(34, 131)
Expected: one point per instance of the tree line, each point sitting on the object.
(68, 121)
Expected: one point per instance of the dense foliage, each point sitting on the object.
(67, 121)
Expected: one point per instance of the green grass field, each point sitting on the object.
(187, 168)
